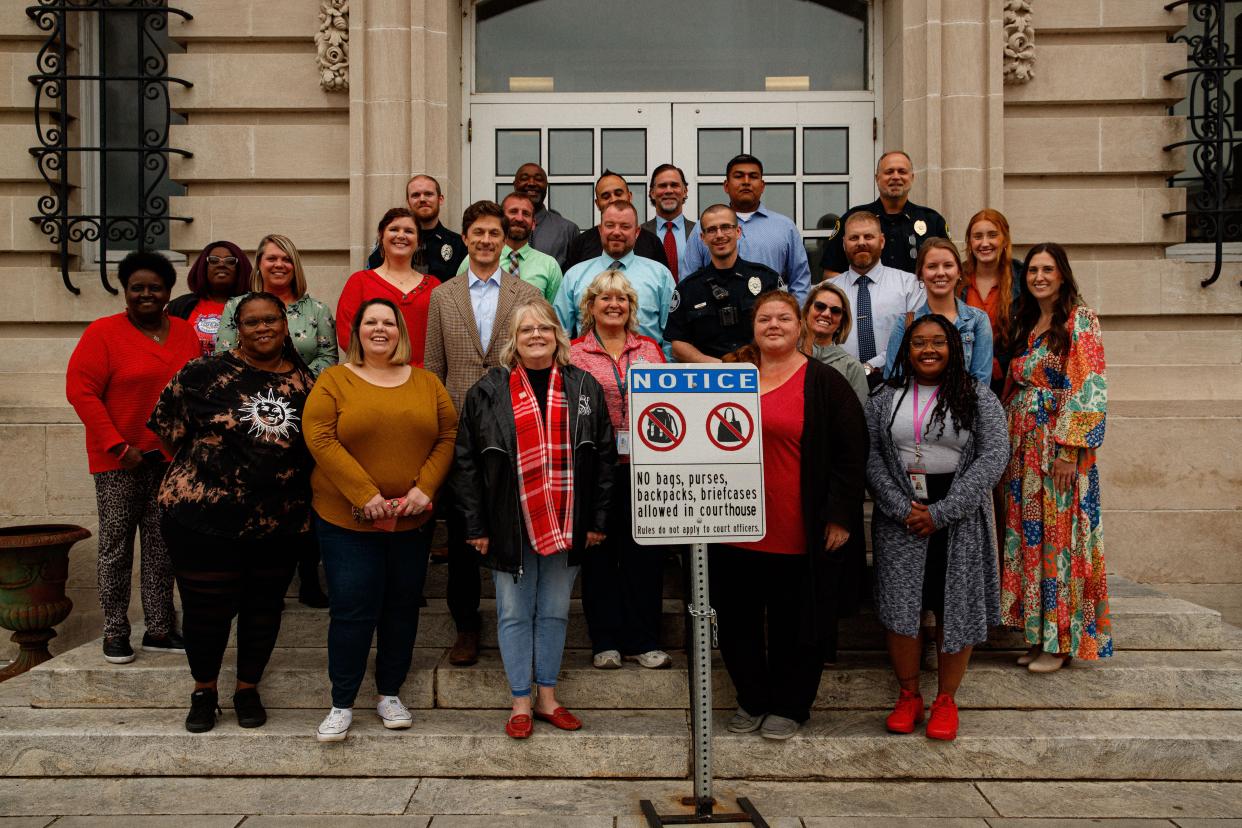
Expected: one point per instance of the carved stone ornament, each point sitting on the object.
(332, 45)
(1019, 42)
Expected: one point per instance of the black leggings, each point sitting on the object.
(221, 578)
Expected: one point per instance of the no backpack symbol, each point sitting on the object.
(661, 427)
(730, 426)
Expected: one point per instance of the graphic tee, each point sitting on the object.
(205, 320)
(241, 468)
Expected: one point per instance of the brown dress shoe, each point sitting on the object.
(465, 649)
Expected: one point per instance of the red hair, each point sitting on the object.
(1004, 305)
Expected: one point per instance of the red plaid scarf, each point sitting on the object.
(545, 463)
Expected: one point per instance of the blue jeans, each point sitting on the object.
(532, 614)
(375, 580)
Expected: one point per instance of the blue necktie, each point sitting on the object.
(866, 334)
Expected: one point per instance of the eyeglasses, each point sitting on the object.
(527, 330)
(824, 307)
(719, 228)
(923, 342)
(254, 323)
(228, 260)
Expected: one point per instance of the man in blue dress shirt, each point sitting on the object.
(651, 280)
(767, 237)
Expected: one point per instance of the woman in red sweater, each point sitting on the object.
(116, 373)
(395, 280)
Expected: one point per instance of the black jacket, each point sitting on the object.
(183, 306)
(485, 476)
(588, 245)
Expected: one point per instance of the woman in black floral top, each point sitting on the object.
(235, 500)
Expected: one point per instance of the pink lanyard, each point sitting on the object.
(919, 417)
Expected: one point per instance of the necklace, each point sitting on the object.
(155, 337)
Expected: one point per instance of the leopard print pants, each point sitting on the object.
(127, 503)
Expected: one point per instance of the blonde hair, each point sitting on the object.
(542, 311)
(401, 355)
(287, 246)
(847, 320)
(610, 281)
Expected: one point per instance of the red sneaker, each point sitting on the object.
(943, 721)
(906, 713)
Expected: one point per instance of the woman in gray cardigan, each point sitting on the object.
(939, 445)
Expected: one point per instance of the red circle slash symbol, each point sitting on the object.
(730, 427)
(661, 427)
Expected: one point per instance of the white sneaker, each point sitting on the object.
(653, 659)
(607, 660)
(335, 726)
(393, 713)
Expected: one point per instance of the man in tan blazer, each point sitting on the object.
(467, 325)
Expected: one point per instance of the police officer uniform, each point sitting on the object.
(440, 249)
(904, 234)
(711, 308)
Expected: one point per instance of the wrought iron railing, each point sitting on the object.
(56, 156)
(1211, 214)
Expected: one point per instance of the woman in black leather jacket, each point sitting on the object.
(533, 478)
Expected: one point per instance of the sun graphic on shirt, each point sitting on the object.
(269, 416)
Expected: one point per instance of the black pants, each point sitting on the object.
(779, 675)
(222, 578)
(937, 549)
(623, 583)
(464, 584)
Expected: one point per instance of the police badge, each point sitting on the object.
(446, 252)
(754, 285)
(920, 227)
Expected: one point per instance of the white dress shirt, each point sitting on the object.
(893, 293)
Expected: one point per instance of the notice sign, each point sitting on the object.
(696, 461)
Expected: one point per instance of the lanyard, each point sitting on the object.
(920, 416)
(616, 373)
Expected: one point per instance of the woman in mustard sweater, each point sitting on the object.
(382, 433)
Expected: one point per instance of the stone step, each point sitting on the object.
(992, 744)
(297, 678)
(1140, 622)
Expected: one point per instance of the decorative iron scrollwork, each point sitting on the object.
(53, 83)
(1210, 215)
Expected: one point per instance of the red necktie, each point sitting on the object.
(670, 248)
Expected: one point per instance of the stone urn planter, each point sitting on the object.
(34, 565)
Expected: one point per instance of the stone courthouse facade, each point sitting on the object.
(306, 117)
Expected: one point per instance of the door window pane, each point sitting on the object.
(571, 152)
(575, 202)
(716, 147)
(710, 194)
(655, 45)
(640, 201)
(820, 200)
(624, 151)
(515, 147)
(779, 198)
(775, 148)
(826, 150)
(503, 190)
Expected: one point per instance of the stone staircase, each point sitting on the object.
(1167, 706)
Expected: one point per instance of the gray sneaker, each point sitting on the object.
(743, 722)
(778, 727)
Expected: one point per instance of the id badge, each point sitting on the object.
(623, 443)
(918, 480)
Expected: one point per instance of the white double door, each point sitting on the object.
(818, 157)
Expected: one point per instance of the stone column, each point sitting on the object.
(401, 77)
(943, 101)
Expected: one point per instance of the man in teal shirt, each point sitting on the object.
(518, 258)
(651, 280)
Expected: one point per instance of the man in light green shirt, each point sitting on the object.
(518, 257)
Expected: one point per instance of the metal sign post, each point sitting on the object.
(697, 476)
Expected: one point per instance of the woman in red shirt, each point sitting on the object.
(395, 280)
(815, 443)
(221, 271)
(115, 375)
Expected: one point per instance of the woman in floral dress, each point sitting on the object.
(1053, 585)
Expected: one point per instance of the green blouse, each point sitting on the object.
(311, 327)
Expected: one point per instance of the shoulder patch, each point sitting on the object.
(675, 301)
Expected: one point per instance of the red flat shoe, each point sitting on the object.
(907, 713)
(519, 726)
(560, 717)
(943, 722)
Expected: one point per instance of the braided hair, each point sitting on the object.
(286, 350)
(958, 395)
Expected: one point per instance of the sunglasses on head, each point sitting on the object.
(824, 307)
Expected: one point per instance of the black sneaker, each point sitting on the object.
(171, 643)
(116, 650)
(204, 710)
(249, 707)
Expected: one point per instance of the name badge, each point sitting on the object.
(623, 443)
(918, 481)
